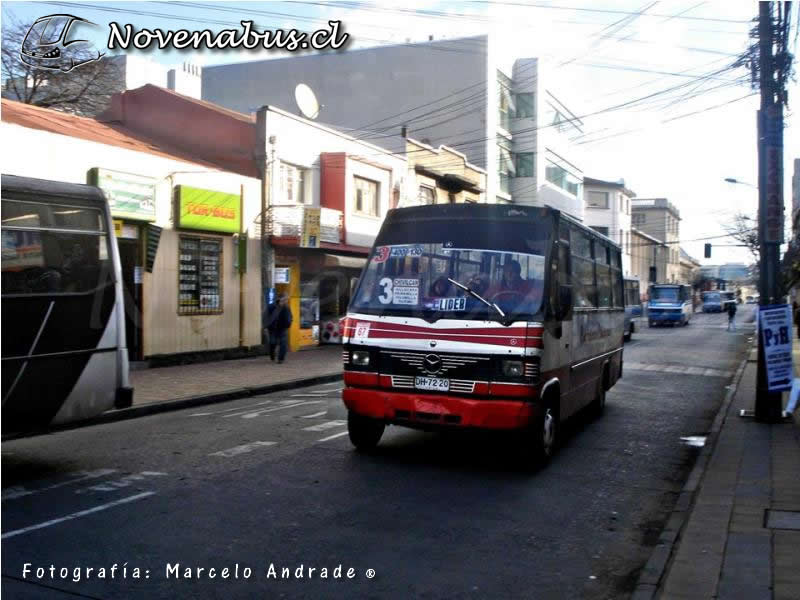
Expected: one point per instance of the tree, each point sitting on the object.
(85, 90)
(744, 230)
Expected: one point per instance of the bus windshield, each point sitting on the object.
(664, 294)
(413, 279)
(711, 297)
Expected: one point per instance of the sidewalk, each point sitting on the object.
(201, 379)
(735, 530)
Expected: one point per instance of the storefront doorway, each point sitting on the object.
(130, 259)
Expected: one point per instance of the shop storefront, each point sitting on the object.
(132, 199)
(319, 286)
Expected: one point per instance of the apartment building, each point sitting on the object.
(660, 219)
(464, 93)
(608, 210)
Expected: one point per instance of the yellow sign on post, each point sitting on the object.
(118, 227)
(311, 227)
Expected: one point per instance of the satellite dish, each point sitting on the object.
(306, 101)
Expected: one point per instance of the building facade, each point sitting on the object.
(443, 175)
(690, 268)
(660, 219)
(648, 259)
(461, 93)
(190, 265)
(608, 210)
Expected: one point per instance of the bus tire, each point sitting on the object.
(364, 432)
(545, 433)
(598, 405)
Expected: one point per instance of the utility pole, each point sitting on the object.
(768, 405)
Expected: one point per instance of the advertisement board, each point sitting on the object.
(129, 196)
(208, 210)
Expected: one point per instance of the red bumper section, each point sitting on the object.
(425, 410)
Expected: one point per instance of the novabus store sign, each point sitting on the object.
(129, 196)
(208, 210)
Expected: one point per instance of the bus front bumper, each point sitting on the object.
(666, 317)
(432, 410)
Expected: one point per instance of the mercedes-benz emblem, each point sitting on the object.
(432, 364)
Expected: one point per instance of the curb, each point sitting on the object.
(153, 408)
(652, 575)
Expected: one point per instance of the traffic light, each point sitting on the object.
(708, 250)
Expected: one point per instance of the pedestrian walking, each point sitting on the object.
(279, 321)
(731, 316)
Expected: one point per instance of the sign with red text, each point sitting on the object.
(208, 210)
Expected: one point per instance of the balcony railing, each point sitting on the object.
(287, 221)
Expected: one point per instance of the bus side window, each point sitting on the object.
(564, 280)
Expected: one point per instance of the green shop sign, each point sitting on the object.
(208, 210)
(129, 196)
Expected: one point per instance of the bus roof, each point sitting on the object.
(55, 189)
(499, 212)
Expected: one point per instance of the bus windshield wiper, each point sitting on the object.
(477, 296)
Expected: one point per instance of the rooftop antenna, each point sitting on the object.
(306, 101)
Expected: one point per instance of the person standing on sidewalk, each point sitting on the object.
(280, 319)
(731, 316)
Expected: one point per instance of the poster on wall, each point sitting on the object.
(129, 196)
(311, 226)
(199, 275)
(208, 210)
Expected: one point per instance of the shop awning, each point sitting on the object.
(348, 262)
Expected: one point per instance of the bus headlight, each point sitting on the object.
(512, 368)
(360, 358)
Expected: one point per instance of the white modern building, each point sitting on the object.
(495, 109)
(608, 210)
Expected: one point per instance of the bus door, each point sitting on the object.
(558, 330)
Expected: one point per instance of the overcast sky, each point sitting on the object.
(671, 57)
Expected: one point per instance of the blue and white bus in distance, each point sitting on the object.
(633, 306)
(669, 303)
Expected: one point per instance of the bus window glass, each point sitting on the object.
(581, 244)
(661, 294)
(16, 213)
(604, 299)
(413, 278)
(47, 262)
(583, 282)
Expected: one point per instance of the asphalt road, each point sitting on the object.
(273, 480)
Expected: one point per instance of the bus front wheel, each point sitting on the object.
(545, 437)
(364, 432)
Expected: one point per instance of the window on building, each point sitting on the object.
(199, 276)
(524, 164)
(505, 101)
(293, 184)
(427, 195)
(597, 199)
(639, 219)
(367, 197)
(603, 230)
(506, 166)
(525, 107)
(621, 239)
(561, 177)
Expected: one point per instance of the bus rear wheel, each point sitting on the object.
(364, 432)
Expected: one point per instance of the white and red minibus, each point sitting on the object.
(483, 316)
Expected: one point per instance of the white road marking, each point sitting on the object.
(324, 426)
(331, 437)
(219, 412)
(683, 370)
(236, 450)
(112, 486)
(19, 492)
(201, 414)
(315, 415)
(76, 515)
(251, 414)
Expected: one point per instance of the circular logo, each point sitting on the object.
(432, 343)
(432, 364)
